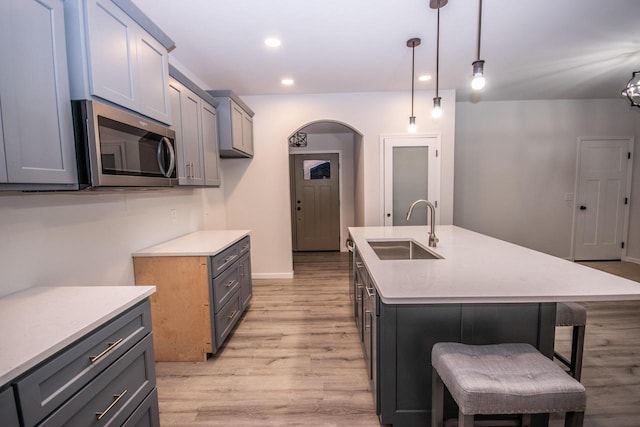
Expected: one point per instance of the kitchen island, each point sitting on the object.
(475, 289)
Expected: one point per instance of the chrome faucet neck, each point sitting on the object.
(433, 240)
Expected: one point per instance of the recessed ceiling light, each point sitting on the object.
(287, 82)
(272, 42)
(425, 77)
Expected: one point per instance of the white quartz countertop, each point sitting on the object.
(199, 243)
(480, 269)
(38, 322)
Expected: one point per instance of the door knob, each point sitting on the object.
(583, 208)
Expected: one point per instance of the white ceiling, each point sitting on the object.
(534, 49)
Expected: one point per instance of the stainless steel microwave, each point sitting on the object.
(115, 148)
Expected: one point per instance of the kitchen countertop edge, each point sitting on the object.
(31, 309)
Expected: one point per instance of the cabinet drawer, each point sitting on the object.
(223, 260)
(113, 395)
(224, 286)
(61, 377)
(147, 414)
(227, 317)
(244, 246)
(8, 411)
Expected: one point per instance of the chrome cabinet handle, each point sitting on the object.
(367, 314)
(230, 284)
(116, 399)
(370, 291)
(232, 315)
(110, 347)
(244, 248)
(227, 260)
(359, 264)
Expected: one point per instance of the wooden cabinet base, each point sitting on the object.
(180, 311)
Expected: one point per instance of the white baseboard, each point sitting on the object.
(629, 259)
(287, 275)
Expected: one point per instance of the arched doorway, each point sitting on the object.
(326, 184)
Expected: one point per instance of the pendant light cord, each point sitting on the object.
(479, 29)
(413, 71)
(438, 51)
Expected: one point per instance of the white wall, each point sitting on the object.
(516, 160)
(86, 238)
(257, 190)
(342, 143)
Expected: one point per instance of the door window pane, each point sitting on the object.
(316, 169)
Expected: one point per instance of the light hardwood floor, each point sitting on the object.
(295, 359)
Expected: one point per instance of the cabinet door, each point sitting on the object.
(185, 109)
(246, 289)
(236, 126)
(3, 164)
(34, 89)
(8, 411)
(210, 145)
(153, 72)
(247, 134)
(112, 51)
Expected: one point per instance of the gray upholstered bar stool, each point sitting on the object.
(502, 379)
(574, 315)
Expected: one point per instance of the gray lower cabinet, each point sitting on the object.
(8, 411)
(236, 124)
(230, 288)
(195, 122)
(37, 148)
(397, 341)
(198, 299)
(101, 379)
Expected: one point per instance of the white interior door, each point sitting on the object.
(602, 197)
(411, 166)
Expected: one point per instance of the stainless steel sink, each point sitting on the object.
(400, 249)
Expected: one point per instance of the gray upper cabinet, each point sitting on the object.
(236, 124)
(196, 126)
(114, 58)
(37, 149)
(185, 108)
(210, 145)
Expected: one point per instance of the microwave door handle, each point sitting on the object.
(172, 157)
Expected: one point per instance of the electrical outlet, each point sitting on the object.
(174, 216)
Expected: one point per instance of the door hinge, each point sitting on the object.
(436, 153)
(626, 200)
(629, 155)
(622, 245)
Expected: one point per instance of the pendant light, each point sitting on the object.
(632, 91)
(478, 81)
(436, 113)
(412, 43)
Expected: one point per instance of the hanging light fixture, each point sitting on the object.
(632, 91)
(436, 113)
(478, 80)
(412, 43)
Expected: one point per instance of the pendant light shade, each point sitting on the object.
(412, 43)
(632, 91)
(478, 80)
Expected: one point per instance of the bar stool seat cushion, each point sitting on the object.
(570, 314)
(505, 379)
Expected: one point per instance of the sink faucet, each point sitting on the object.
(432, 220)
